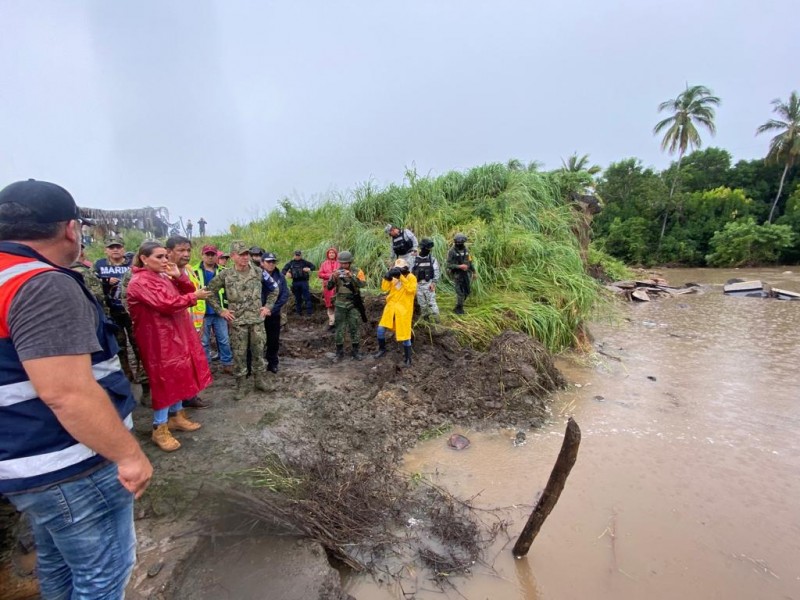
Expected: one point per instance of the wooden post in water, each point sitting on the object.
(552, 491)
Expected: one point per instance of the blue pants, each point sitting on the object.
(302, 295)
(161, 415)
(220, 327)
(85, 541)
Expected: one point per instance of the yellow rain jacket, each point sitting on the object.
(399, 305)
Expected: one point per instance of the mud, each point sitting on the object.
(350, 413)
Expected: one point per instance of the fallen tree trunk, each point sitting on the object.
(552, 491)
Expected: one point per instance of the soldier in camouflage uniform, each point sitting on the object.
(245, 314)
(91, 280)
(141, 374)
(347, 285)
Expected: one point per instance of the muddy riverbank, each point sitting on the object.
(351, 414)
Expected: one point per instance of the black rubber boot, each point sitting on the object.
(355, 354)
(339, 352)
(407, 353)
(381, 349)
(459, 310)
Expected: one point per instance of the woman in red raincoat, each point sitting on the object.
(326, 269)
(158, 298)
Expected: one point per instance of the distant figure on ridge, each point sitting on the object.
(189, 228)
(201, 226)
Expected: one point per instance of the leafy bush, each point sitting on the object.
(743, 243)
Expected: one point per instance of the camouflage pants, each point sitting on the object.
(244, 337)
(427, 299)
(348, 317)
(124, 337)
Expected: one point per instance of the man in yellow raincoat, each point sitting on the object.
(402, 287)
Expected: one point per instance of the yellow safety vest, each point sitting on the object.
(198, 311)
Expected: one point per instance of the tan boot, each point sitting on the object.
(163, 438)
(180, 422)
(260, 384)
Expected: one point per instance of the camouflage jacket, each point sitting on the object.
(123, 294)
(347, 288)
(93, 282)
(243, 291)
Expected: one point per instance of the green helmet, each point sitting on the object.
(345, 257)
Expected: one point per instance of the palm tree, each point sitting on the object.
(694, 105)
(784, 147)
(576, 163)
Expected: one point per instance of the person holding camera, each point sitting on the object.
(347, 282)
(401, 285)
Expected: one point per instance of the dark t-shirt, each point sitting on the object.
(51, 316)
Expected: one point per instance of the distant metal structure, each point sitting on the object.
(153, 222)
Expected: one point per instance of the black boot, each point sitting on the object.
(381, 349)
(459, 310)
(339, 352)
(355, 354)
(407, 353)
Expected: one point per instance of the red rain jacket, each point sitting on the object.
(168, 343)
(326, 269)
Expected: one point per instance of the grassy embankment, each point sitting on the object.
(520, 230)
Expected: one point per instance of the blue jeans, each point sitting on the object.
(220, 327)
(161, 415)
(85, 540)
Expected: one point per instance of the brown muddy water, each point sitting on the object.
(687, 484)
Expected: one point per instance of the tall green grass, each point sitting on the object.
(520, 230)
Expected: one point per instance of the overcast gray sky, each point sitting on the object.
(221, 108)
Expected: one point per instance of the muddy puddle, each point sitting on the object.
(687, 484)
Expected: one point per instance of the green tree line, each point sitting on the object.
(703, 209)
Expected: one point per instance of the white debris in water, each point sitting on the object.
(412, 522)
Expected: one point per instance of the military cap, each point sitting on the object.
(239, 247)
(114, 241)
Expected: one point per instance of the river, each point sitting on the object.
(687, 483)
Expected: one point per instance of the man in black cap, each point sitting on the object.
(298, 270)
(67, 457)
(256, 252)
(110, 270)
(272, 324)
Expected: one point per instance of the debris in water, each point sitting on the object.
(458, 441)
(651, 377)
(520, 439)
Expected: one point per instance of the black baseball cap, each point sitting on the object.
(269, 257)
(49, 202)
(298, 253)
(256, 250)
